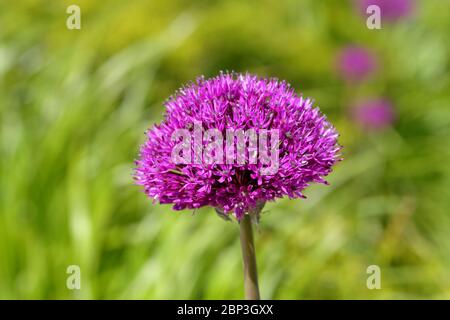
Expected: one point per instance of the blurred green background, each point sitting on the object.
(74, 105)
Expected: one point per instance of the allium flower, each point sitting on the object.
(391, 10)
(307, 149)
(373, 114)
(356, 63)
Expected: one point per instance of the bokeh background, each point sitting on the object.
(74, 105)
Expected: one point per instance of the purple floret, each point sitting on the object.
(307, 145)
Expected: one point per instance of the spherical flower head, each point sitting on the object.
(356, 63)
(288, 144)
(374, 114)
(390, 10)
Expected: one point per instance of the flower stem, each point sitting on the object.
(248, 255)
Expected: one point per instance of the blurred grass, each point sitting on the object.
(74, 106)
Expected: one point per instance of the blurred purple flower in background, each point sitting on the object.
(356, 63)
(391, 10)
(373, 114)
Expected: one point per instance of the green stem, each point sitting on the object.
(248, 255)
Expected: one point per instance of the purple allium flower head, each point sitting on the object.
(373, 114)
(356, 63)
(307, 147)
(391, 10)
